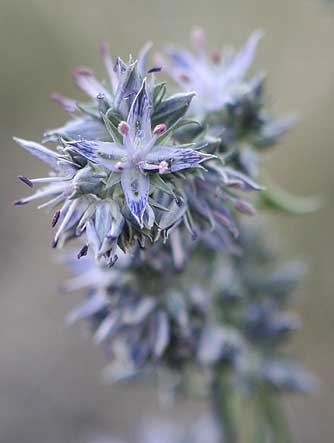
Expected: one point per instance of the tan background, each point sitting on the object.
(50, 390)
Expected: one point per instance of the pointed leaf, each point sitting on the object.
(172, 109)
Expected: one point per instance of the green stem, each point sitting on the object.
(276, 423)
(222, 400)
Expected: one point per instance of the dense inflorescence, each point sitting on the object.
(155, 188)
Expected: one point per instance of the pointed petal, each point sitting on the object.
(92, 237)
(89, 307)
(107, 327)
(139, 119)
(103, 220)
(179, 158)
(162, 336)
(182, 59)
(128, 86)
(79, 128)
(242, 181)
(241, 62)
(46, 155)
(142, 57)
(86, 81)
(136, 313)
(69, 105)
(136, 187)
(108, 63)
(98, 152)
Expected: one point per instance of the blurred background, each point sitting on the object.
(50, 378)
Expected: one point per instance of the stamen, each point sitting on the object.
(25, 180)
(123, 128)
(163, 167)
(119, 166)
(83, 252)
(159, 129)
(55, 218)
(154, 69)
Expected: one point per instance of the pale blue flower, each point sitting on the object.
(212, 76)
(137, 151)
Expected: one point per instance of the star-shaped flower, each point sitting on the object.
(137, 152)
(212, 76)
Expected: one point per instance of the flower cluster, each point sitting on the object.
(156, 186)
(119, 175)
(232, 312)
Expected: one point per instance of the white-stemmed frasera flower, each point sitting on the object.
(213, 76)
(107, 188)
(139, 153)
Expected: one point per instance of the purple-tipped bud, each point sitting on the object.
(163, 167)
(25, 180)
(123, 128)
(55, 218)
(83, 252)
(244, 207)
(159, 129)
